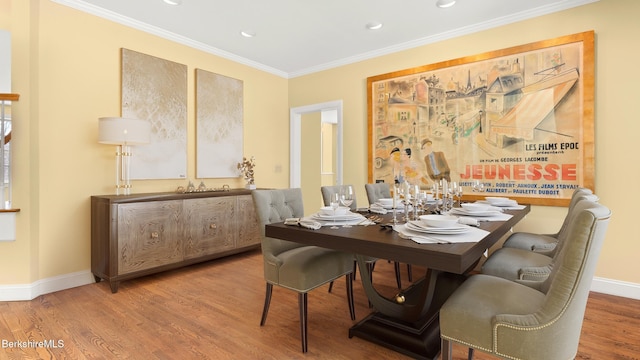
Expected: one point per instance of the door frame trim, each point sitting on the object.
(295, 139)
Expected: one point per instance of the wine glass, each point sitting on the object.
(346, 198)
(459, 192)
(335, 204)
(477, 186)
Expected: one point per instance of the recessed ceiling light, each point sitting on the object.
(445, 3)
(173, 2)
(374, 25)
(248, 33)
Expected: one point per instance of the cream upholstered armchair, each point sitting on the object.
(295, 266)
(546, 243)
(514, 321)
(518, 264)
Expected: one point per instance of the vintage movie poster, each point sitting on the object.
(520, 121)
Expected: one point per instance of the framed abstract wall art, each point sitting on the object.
(517, 120)
(155, 89)
(219, 125)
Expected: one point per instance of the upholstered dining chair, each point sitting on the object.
(376, 191)
(546, 243)
(295, 266)
(518, 264)
(327, 192)
(514, 321)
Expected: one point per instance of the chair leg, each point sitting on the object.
(470, 355)
(370, 267)
(302, 303)
(409, 272)
(330, 286)
(446, 349)
(352, 308)
(267, 302)
(355, 267)
(398, 279)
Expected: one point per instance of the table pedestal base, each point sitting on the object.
(420, 342)
(420, 339)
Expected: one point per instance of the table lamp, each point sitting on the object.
(123, 132)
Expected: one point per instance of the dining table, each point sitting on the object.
(408, 321)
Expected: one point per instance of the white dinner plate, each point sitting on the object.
(502, 202)
(420, 227)
(466, 212)
(348, 216)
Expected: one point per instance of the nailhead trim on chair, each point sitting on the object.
(495, 329)
(467, 344)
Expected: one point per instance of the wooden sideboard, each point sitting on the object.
(141, 234)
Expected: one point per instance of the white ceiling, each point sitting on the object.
(297, 37)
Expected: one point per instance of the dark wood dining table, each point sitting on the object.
(407, 322)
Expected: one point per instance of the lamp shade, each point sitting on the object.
(122, 131)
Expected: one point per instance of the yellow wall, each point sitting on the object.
(66, 66)
(617, 47)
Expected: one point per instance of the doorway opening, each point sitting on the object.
(319, 127)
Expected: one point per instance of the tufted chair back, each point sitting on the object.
(377, 191)
(327, 191)
(292, 265)
(276, 206)
(578, 194)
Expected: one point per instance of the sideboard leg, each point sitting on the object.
(114, 286)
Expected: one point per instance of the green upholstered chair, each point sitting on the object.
(295, 266)
(546, 243)
(376, 191)
(514, 321)
(518, 264)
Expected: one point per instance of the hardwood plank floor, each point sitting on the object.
(212, 311)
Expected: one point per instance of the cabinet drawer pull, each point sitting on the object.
(154, 235)
(213, 226)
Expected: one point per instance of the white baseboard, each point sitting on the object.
(31, 291)
(23, 292)
(616, 287)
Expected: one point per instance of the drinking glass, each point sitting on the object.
(459, 192)
(396, 199)
(335, 204)
(415, 196)
(346, 198)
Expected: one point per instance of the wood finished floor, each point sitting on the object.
(212, 311)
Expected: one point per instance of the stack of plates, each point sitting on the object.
(501, 202)
(468, 212)
(421, 227)
(344, 217)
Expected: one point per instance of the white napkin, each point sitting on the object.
(468, 221)
(305, 223)
(378, 209)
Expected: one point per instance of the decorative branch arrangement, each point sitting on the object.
(246, 169)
